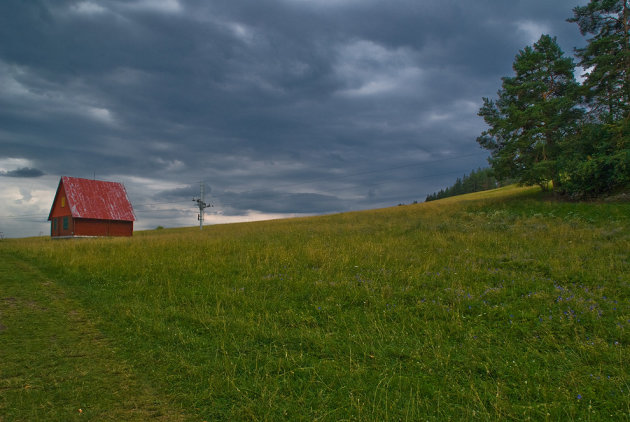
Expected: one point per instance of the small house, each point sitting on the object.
(87, 208)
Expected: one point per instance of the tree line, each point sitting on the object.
(477, 180)
(547, 129)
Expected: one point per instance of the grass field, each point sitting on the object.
(490, 306)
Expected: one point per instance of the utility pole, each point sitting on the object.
(202, 205)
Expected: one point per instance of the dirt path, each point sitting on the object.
(56, 365)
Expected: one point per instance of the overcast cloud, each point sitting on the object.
(282, 107)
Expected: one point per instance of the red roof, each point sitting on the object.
(97, 199)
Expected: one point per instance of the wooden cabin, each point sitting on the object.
(89, 208)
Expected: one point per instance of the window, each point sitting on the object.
(63, 201)
(65, 223)
(54, 224)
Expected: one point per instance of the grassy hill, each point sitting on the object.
(495, 305)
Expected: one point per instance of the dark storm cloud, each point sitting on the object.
(181, 194)
(23, 172)
(260, 97)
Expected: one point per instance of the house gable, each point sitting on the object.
(60, 206)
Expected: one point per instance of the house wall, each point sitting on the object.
(120, 228)
(58, 228)
(88, 227)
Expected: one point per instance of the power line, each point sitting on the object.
(157, 203)
(223, 204)
(137, 207)
(25, 216)
(327, 178)
(379, 170)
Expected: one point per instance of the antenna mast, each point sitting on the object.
(202, 205)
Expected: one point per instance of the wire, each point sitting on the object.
(138, 207)
(381, 170)
(370, 185)
(25, 216)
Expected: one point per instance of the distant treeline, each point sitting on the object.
(477, 180)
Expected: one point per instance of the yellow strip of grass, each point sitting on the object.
(55, 365)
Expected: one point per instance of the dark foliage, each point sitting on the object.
(535, 111)
(606, 56)
(545, 128)
(481, 179)
(597, 162)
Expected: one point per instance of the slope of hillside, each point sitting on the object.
(494, 305)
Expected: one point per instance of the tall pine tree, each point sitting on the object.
(606, 57)
(598, 160)
(535, 112)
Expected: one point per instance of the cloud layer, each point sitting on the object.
(280, 106)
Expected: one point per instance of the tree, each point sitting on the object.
(598, 159)
(606, 57)
(535, 111)
(477, 180)
(596, 163)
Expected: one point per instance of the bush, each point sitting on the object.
(598, 161)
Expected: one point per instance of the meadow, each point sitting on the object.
(498, 305)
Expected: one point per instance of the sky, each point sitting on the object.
(280, 108)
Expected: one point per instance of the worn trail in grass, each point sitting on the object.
(498, 305)
(55, 364)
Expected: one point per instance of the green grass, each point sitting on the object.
(495, 305)
(55, 365)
